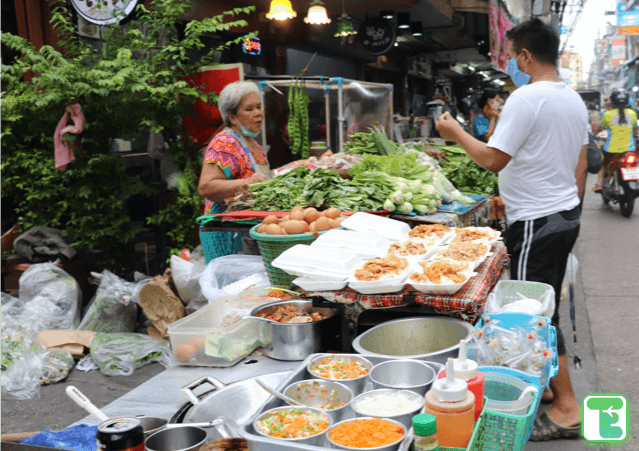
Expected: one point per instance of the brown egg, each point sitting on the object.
(334, 224)
(273, 229)
(295, 227)
(332, 213)
(185, 351)
(311, 215)
(339, 221)
(313, 227)
(323, 224)
(297, 208)
(262, 228)
(198, 343)
(285, 218)
(296, 216)
(271, 219)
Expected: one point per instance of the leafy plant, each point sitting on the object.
(135, 81)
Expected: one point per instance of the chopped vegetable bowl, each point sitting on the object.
(305, 425)
(349, 369)
(366, 433)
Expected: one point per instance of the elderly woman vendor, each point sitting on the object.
(233, 160)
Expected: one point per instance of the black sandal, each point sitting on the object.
(546, 429)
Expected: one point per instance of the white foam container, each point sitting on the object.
(364, 244)
(496, 235)
(318, 263)
(430, 250)
(444, 239)
(439, 288)
(473, 264)
(377, 288)
(395, 280)
(318, 285)
(367, 222)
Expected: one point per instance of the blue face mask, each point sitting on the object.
(248, 133)
(519, 77)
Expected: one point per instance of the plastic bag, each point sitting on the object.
(186, 276)
(112, 309)
(56, 366)
(496, 304)
(22, 379)
(51, 297)
(17, 335)
(120, 354)
(226, 270)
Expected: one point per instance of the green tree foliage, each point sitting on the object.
(132, 82)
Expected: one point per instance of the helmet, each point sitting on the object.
(619, 97)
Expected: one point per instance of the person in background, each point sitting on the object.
(539, 149)
(621, 123)
(233, 160)
(485, 122)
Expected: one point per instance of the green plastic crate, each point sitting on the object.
(271, 246)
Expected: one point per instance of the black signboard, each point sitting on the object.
(377, 35)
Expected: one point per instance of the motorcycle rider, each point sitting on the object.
(621, 123)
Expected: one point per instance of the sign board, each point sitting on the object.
(627, 18)
(618, 51)
(252, 46)
(104, 13)
(499, 23)
(601, 46)
(377, 35)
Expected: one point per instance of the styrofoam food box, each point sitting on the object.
(364, 244)
(495, 235)
(395, 280)
(319, 285)
(439, 288)
(379, 288)
(431, 247)
(319, 263)
(366, 222)
(473, 264)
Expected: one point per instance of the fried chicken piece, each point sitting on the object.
(429, 230)
(434, 271)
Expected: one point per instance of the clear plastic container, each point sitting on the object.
(504, 393)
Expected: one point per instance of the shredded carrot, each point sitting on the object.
(366, 433)
(331, 368)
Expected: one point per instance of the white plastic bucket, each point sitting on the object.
(504, 393)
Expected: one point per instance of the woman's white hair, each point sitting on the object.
(231, 97)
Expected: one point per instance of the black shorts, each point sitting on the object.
(539, 252)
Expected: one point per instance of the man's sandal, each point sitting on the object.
(546, 429)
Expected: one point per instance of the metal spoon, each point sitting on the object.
(277, 394)
(259, 318)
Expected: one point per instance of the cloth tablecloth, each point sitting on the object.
(467, 303)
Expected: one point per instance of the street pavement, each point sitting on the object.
(607, 310)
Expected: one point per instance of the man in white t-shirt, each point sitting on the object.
(539, 150)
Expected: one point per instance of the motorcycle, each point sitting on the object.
(621, 181)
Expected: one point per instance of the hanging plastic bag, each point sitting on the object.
(544, 305)
(226, 270)
(51, 296)
(112, 309)
(119, 354)
(186, 276)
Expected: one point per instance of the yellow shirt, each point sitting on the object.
(620, 137)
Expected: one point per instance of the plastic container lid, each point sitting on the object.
(449, 389)
(364, 244)
(464, 369)
(424, 424)
(366, 222)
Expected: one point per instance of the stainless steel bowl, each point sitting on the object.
(151, 424)
(356, 385)
(423, 338)
(187, 438)
(293, 341)
(311, 393)
(404, 418)
(390, 447)
(317, 439)
(403, 374)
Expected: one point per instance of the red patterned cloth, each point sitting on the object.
(467, 303)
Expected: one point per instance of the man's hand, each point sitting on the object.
(448, 127)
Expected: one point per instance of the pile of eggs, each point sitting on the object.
(301, 220)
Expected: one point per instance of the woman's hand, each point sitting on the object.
(256, 178)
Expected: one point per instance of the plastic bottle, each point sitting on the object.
(453, 406)
(425, 428)
(466, 370)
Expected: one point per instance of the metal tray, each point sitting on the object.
(258, 442)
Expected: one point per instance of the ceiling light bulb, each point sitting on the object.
(403, 20)
(317, 14)
(281, 10)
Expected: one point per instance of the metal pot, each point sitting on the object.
(186, 438)
(403, 374)
(237, 403)
(425, 338)
(293, 341)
